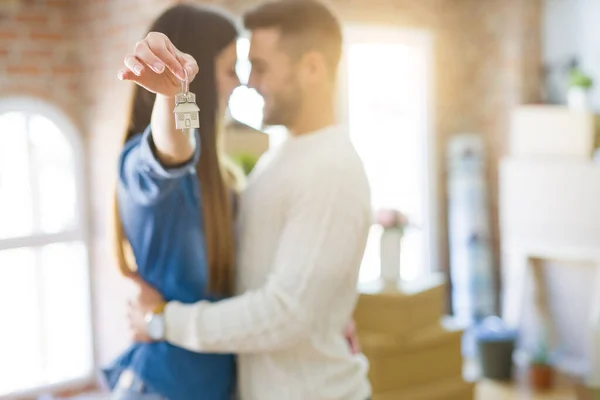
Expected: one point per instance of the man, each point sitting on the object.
(303, 220)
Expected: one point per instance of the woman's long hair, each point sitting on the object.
(203, 34)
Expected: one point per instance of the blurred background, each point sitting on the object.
(476, 120)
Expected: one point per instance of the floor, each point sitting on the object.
(485, 391)
(564, 387)
(494, 391)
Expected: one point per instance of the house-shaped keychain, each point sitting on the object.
(186, 111)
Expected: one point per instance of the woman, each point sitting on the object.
(173, 201)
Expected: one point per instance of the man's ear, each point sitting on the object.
(313, 68)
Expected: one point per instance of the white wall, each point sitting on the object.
(570, 28)
(561, 30)
(570, 287)
(590, 44)
(548, 209)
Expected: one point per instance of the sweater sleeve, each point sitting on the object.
(141, 174)
(316, 262)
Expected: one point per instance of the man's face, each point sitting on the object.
(274, 76)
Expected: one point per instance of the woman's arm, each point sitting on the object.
(173, 147)
(148, 164)
(143, 178)
(160, 68)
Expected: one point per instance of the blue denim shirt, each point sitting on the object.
(161, 215)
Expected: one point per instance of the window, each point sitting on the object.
(246, 105)
(45, 337)
(385, 84)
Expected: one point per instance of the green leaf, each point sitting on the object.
(578, 79)
(246, 161)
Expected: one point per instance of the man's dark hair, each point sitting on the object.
(304, 25)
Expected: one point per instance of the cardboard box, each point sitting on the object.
(454, 388)
(551, 131)
(396, 363)
(243, 139)
(401, 310)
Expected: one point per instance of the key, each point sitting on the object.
(186, 111)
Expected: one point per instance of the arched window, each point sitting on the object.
(46, 334)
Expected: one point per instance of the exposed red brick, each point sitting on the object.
(8, 34)
(27, 89)
(23, 70)
(66, 69)
(116, 30)
(74, 87)
(31, 17)
(62, 4)
(36, 54)
(46, 35)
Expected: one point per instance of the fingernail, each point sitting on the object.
(137, 69)
(159, 68)
(190, 71)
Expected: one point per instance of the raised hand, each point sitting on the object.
(158, 66)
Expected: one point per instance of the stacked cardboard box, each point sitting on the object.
(542, 131)
(414, 354)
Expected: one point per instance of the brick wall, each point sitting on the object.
(38, 54)
(68, 52)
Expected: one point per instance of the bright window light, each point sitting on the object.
(46, 336)
(386, 85)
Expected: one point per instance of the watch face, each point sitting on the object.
(155, 326)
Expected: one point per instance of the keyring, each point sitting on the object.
(186, 110)
(185, 88)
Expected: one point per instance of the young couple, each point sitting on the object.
(267, 272)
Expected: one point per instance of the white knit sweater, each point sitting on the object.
(303, 224)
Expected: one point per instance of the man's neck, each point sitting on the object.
(314, 116)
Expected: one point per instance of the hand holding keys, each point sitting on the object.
(157, 65)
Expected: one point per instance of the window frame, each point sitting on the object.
(424, 41)
(35, 106)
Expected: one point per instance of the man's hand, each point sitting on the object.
(352, 337)
(148, 300)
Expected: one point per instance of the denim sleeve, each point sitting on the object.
(142, 176)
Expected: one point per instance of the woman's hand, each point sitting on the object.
(158, 66)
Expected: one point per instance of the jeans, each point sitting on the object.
(130, 387)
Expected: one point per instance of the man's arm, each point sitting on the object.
(318, 258)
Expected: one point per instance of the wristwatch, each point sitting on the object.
(155, 325)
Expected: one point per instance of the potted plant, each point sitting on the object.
(246, 161)
(579, 86)
(541, 372)
(394, 224)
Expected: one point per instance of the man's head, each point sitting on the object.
(295, 50)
